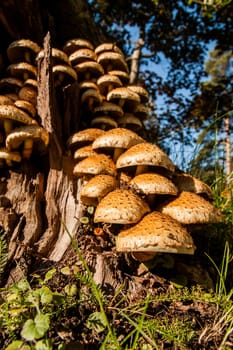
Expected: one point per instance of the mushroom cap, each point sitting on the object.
(28, 93)
(26, 106)
(86, 84)
(68, 74)
(187, 182)
(152, 183)
(141, 91)
(14, 113)
(104, 122)
(129, 121)
(93, 68)
(33, 132)
(91, 94)
(190, 208)
(107, 80)
(83, 152)
(112, 47)
(116, 138)
(57, 57)
(19, 69)
(97, 188)
(123, 76)
(112, 60)
(141, 111)
(76, 44)
(123, 93)
(108, 108)
(10, 84)
(9, 156)
(145, 154)
(121, 206)
(156, 232)
(95, 165)
(83, 137)
(6, 100)
(17, 49)
(82, 55)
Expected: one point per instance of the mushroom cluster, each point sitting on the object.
(19, 122)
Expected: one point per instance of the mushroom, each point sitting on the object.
(83, 138)
(95, 165)
(26, 106)
(152, 185)
(22, 70)
(89, 70)
(123, 76)
(108, 47)
(28, 135)
(129, 121)
(82, 55)
(90, 98)
(190, 208)
(23, 50)
(10, 114)
(141, 91)
(63, 75)
(121, 206)
(156, 232)
(108, 82)
(6, 100)
(104, 122)
(116, 141)
(10, 85)
(143, 156)
(8, 157)
(141, 111)
(124, 97)
(187, 182)
(75, 44)
(112, 60)
(108, 108)
(29, 91)
(57, 57)
(83, 152)
(97, 188)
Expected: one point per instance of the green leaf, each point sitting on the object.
(49, 275)
(46, 295)
(44, 344)
(15, 345)
(35, 329)
(97, 322)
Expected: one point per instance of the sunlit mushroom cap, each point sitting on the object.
(26, 106)
(141, 91)
(147, 154)
(156, 232)
(112, 60)
(94, 165)
(92, 68)
(123, 76)
(22, 69)
(64, 74)
(112, 47)
(10, 84)
(190, 208)
(96, 188)
(19, 49)
(83, 137)
(152, 183)
(121, 206)
(16, 114)
(83, 152)
(32, 132)
(82, 55)
(6, 100)
(187, 182)
(106, 81)
(9, 156)
(123, 93)
(129, 121)
(117, 138)
(76, 44)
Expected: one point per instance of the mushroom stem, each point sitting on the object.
(117, 152)
(151, 199)
(141, 169)
(121, 103)
(27, 148)
(27, 57)
(8, 125)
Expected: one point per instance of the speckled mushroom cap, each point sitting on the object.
(76, 44)
(10, 84)
(187, 182)
(26, 106)
(116, 138)
(108, 82)
(124, 95)
(57, 57)
(190, 208)
(9, 156)
(112, 47)
(6, 100)
(152, 183)
(130, 121)
(64, 74)
(22, 70)
(16, 114)
(112, 60)
(121, 206)
(96, 188)
(82, 55)
(83, 152)
(83, 137)
(20, 134)
(89, 70)
(156, 232)
(141, 91)
(145, 154)
(108, 108)
(123, 76)
(94, 165)
(23, 50)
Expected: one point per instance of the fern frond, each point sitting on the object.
(3, 250)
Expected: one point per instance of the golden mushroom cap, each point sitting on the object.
(145, 154)
(141, 91)
(22, 50)
(107, 81)
(83, 152)
(6, 100)
(94, 165)
(76, 44)
(108, 108)
(83, 137)
(105, 47)
(120, 206)
(112, 60)
(14, 113)
(96, 188)
(34, 132)
(22, 69)
(152, 183)
(10, 84)
(57, 57)
(64, 74)
(9, 156)
(89, 70)
(156, 232)
(82, 55)
(26, 106)
(123, 76)
(130, 121)
(190, 208)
